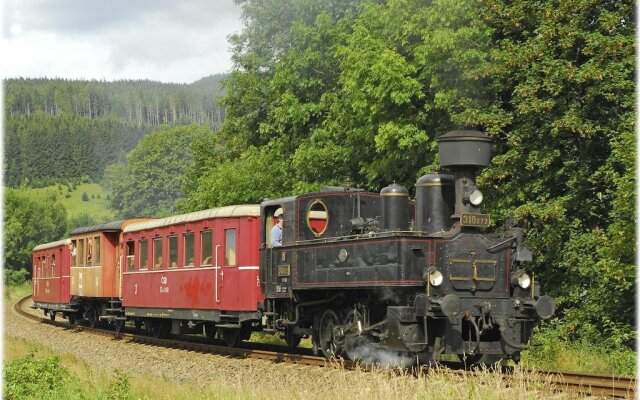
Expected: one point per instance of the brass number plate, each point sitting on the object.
(284, 270)
(479, 220)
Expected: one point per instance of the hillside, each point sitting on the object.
(60, 129)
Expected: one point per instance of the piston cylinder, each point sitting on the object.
(435, 201)
(395, 208)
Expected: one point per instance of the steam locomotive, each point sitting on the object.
(366, 275)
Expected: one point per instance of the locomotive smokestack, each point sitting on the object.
(464, 153)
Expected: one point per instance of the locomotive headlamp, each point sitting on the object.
(522, 279)
(435, 278)
(472, 195)
(475, 197)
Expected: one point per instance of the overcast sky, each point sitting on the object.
(164, 40)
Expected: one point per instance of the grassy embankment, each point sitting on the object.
(96, 205)
(24, 361)
(36, 372)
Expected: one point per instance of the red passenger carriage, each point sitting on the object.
(51, 289)
(194, 268)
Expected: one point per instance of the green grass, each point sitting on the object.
(96, 206)
(552, 352)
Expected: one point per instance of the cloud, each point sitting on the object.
(170, 41)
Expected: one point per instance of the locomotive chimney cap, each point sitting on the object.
(464, 148)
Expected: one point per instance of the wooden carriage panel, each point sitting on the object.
(95, 269)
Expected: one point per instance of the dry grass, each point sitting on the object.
(254, 379)
(250, 379)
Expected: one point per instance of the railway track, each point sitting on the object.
(588, 384)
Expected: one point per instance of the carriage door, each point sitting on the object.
(228, 266)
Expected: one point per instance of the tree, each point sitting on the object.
(30, 219)
(565, 164)
(149, 184)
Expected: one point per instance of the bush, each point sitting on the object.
(67, 196)
(85, 196)
(551, 350)
(120, 388)
(28, 378)
(14, 277)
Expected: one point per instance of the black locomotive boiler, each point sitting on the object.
(366, 274)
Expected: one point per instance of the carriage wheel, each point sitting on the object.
(119, 325)
(137, 323)
(326, 340)
(159, 328)
(72, 319)
(52, 315)
(292, 340)
(210, 330)
(232, 337)
(93, 317)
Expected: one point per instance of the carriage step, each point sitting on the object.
(114, 310)
(228, 326)
(270, 330)
(72, 310)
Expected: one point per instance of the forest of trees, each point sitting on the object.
(138, 103)
(59, 129)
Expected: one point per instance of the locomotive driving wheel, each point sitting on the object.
(327, 340)
(469, 359)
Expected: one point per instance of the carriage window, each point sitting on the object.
(130, 255)
(144, 254)
(74, 253)
(173, 251)
(89, 251)
(80, 254)
(188, 249)
(157, 253)
(207, 247)
(53, 265)
(230, 247)
(96, 250)
(317, 218)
